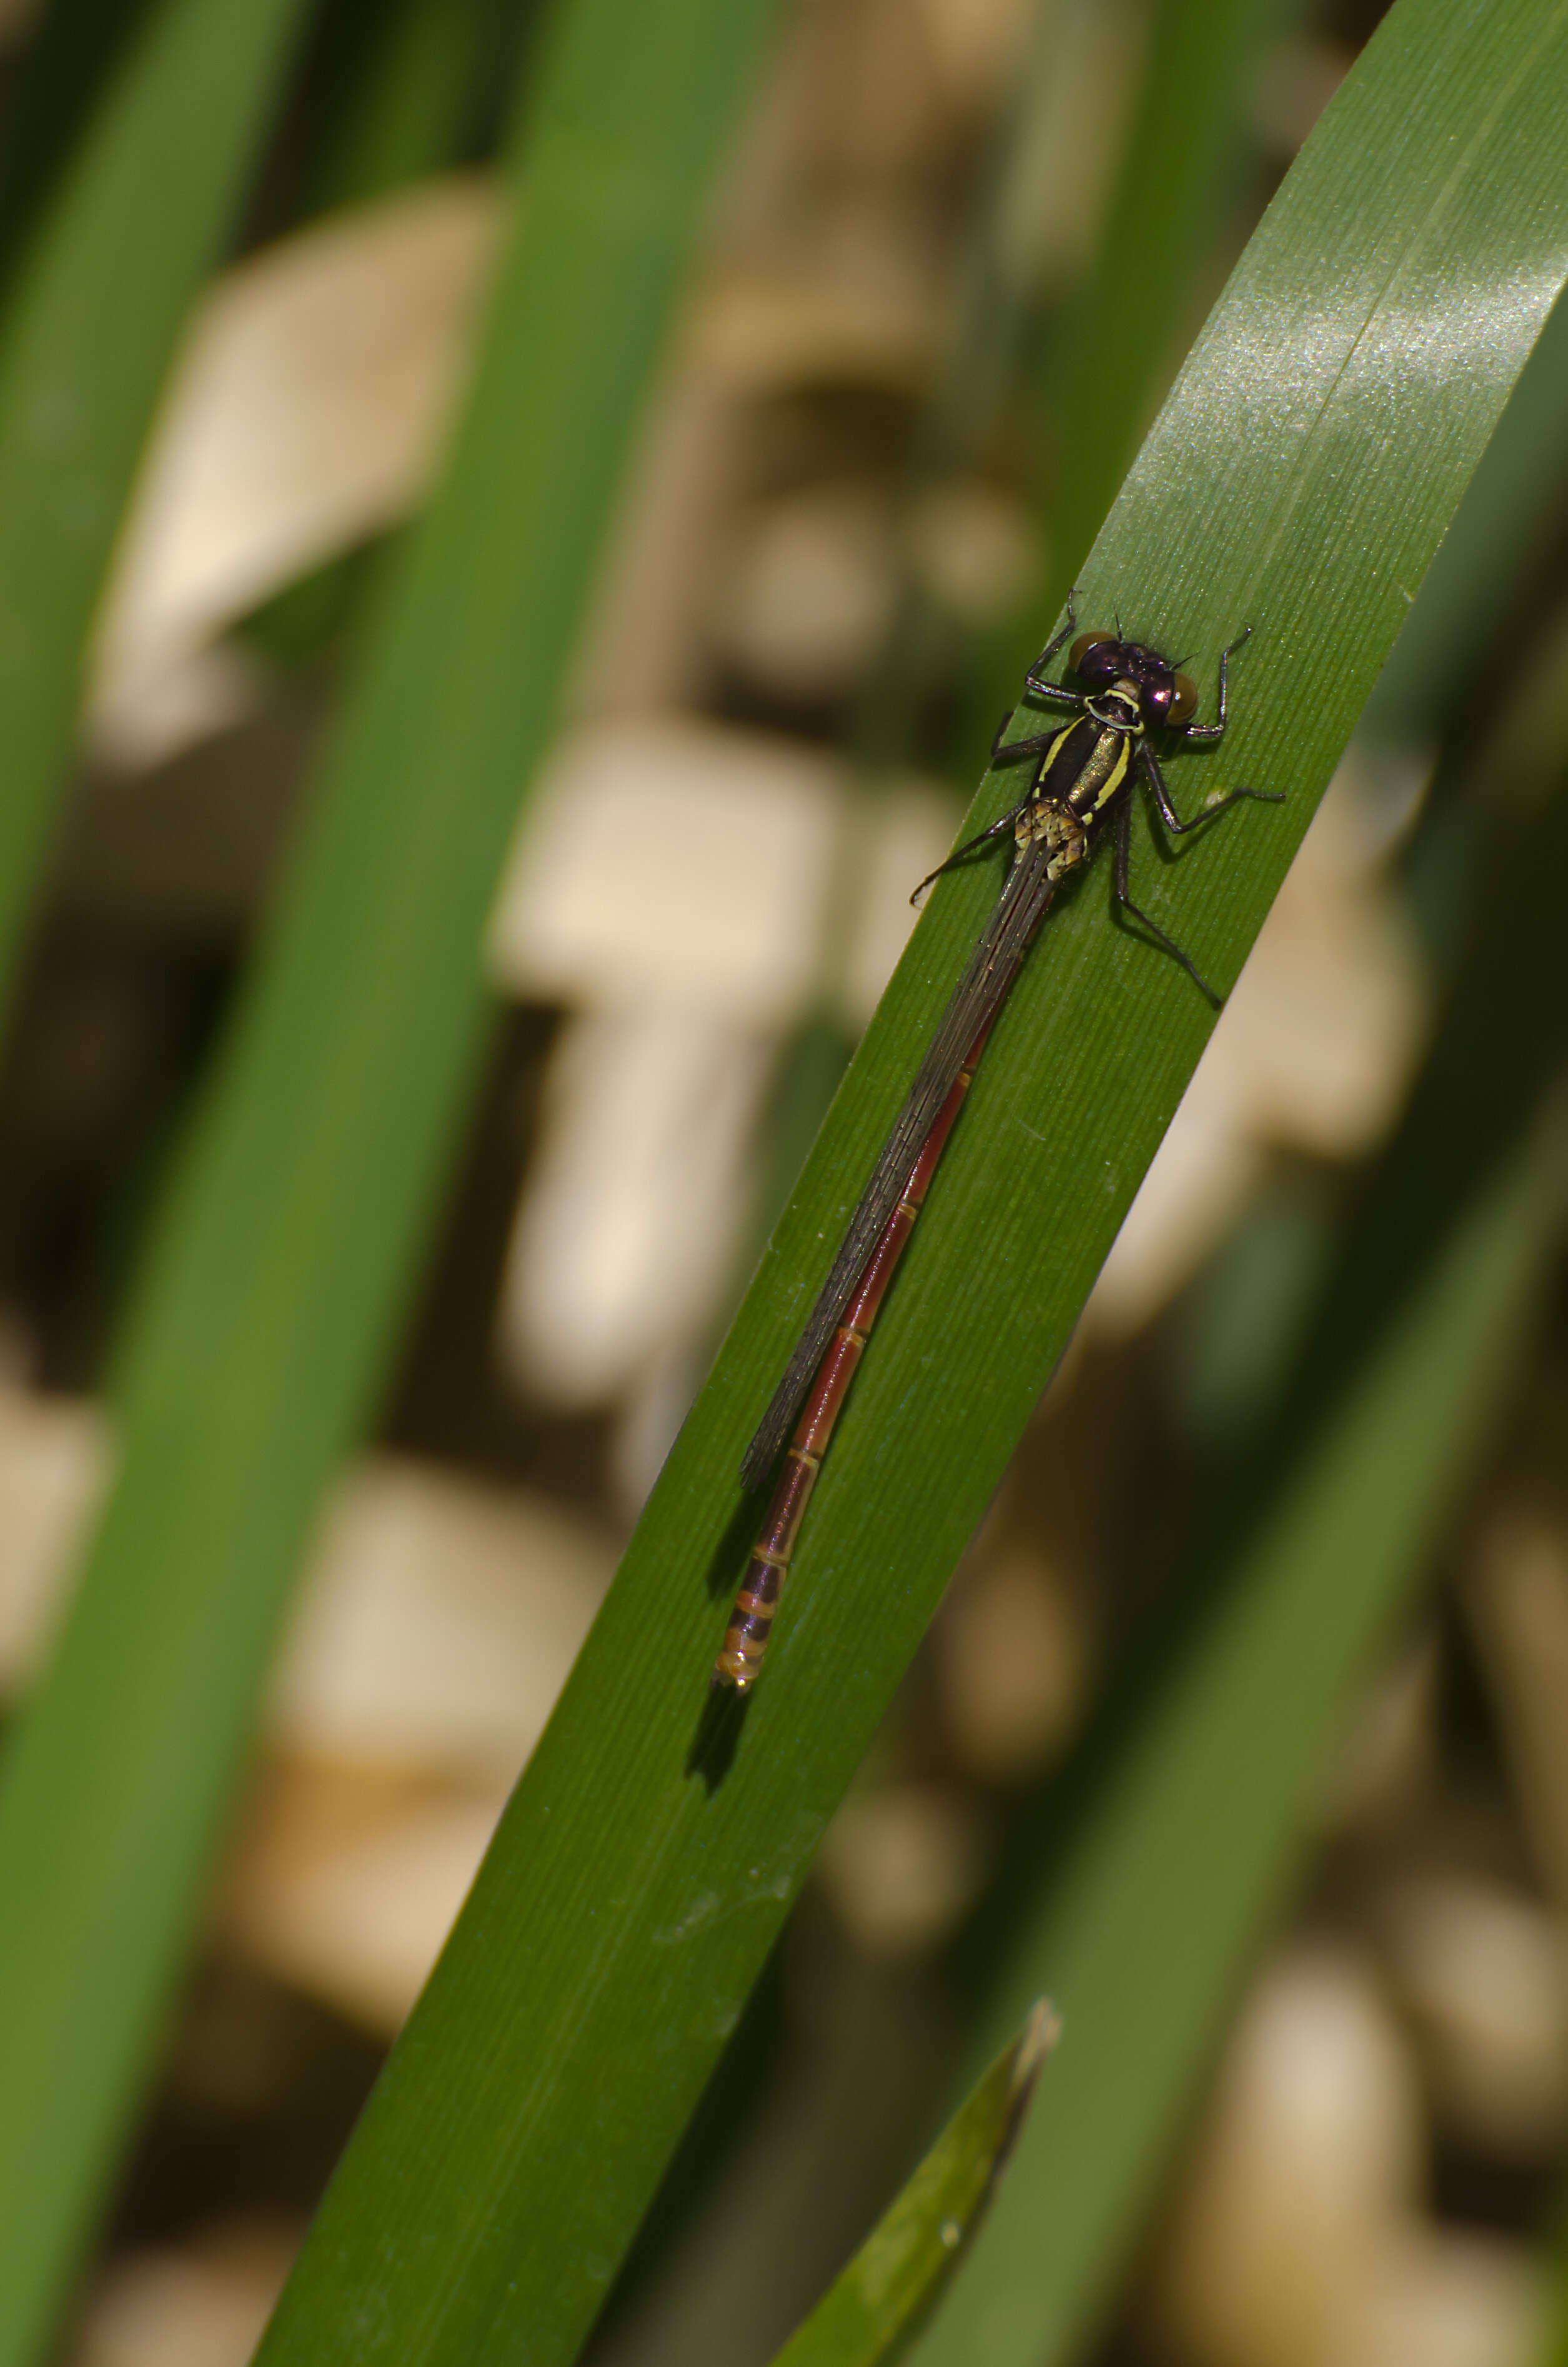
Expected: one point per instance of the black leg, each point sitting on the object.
(1013, 752)
(1052, 646)
(1001, 828)
(1054, 694)
(1121, 879)
(1212, 732)
(1168, 813)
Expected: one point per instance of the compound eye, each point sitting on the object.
(1184, 701)
(1099, 670)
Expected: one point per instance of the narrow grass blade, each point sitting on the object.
(876, 2308)
(265, 1316)
(1148, 1896)
(403, 95)
(95, 305)
(1334, 407)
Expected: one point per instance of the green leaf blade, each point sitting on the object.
(97, 302)
(875, 2308)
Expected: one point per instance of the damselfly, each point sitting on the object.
(1080, 790)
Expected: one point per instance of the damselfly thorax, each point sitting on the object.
(1084, 770)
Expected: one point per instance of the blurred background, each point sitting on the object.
(876, 451)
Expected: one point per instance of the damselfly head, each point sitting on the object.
(1167, 697)
(1096, 657)
(1184, 703)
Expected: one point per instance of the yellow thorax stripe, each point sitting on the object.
(1117, 774)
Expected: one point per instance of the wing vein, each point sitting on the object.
(975, 1001)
